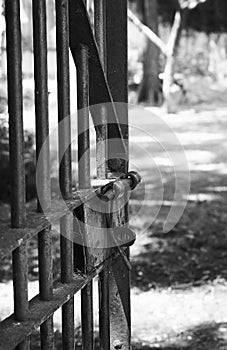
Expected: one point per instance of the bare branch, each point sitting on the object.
(148, 32)
(190, 4)
(173, 33)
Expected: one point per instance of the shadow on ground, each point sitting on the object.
(194, 252)
(203, 337)
(212, 336)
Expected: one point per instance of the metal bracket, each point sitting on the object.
(117, 189)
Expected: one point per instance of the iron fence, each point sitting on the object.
(100, 56)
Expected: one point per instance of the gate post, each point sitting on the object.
(117, 76)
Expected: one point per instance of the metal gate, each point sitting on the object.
(99, 51)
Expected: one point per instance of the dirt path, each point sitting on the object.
(180, 292)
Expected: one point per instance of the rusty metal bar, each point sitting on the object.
(118, 82)
(80, 31)
(117, 47)
(11, 238)
(101, 163)
(15, 105)
(65, 173)
(104, 317)
(42, 131)
(41, 94)
(62, 36)
(68, 325)
(101, 129)
(16, 147)
(66, 227)
(87, 317)
(20, 284)
(100, 29)
(117, 70)
(82, 61)
(13, 333)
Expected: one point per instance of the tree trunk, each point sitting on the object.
(150, 86)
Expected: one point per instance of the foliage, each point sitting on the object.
(209, 16)
(5, 164)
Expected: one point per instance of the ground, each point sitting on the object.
(179, 278)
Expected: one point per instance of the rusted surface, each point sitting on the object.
(119, 286)
(87, 316)
(120, 304)
(15, 106)
(104, 317)
(45, 264)
(93, 71)
(80, 31)
(100, 29)
(20, 272)
(41, 96)
(82, 59)
(66, 243)
(101, 130)
(91, 225)
(16, 148)
(117, 72)
(65, 172)
(47, 334)
(119, 290)
(68, 331)
(102, 171)
(12, 332)
(43, 177)
(84, 181)
(64, 139)
(11, 238)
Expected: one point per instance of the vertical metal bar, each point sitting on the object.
(104, 317)
(68, 325)
(100, 28)
(41, 94)
(101, 135)
(87, 317)
(82, 61)
(117, 46)
(42, 131)
(101, 149)
(117, 64)
(16, 144)
(65, 174)
(119, 286)
(15, 102)
(20, 284)
(64, 121)
(83, 117)
(62, 36)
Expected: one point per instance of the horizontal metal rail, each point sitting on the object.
(11, 238)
